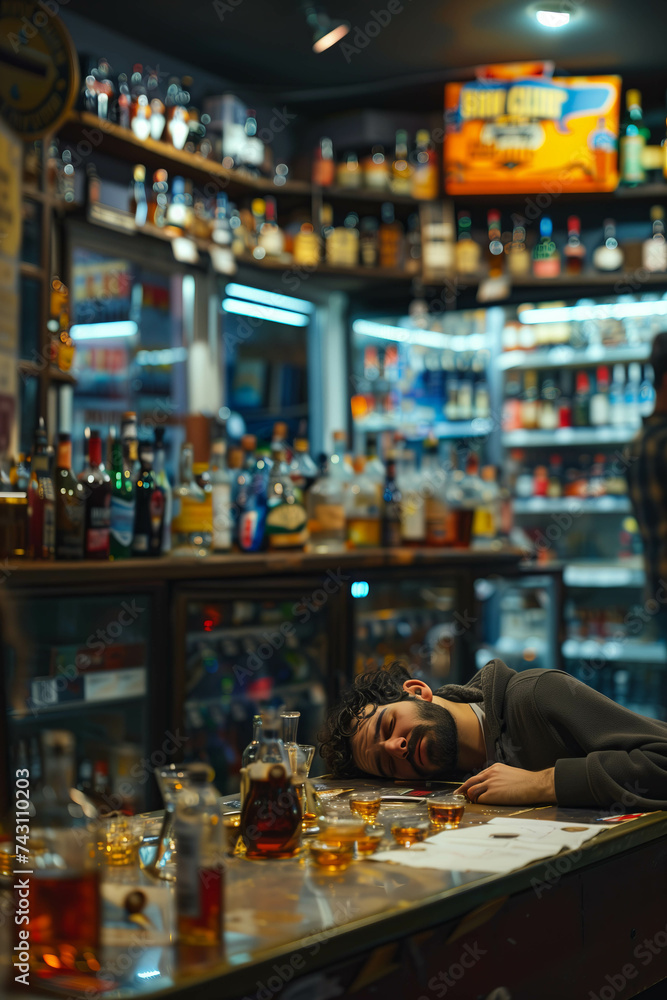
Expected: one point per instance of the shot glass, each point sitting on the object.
(410, 830)
(445, 811)
(370, 840)
(336, 829)
(332, 856)
(119, 838)
(366, 804)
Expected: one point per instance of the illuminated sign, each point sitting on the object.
(518, 129)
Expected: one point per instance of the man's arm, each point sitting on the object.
(503, 785)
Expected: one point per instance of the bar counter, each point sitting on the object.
(563, 927)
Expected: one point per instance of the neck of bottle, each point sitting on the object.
(95, 452)
(186, 464)
(257, 729)
(64, 460)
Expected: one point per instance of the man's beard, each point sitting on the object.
(441, 737)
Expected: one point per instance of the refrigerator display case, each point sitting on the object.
(520, 620)
(421, 622)
(85, 664)
(246, 647)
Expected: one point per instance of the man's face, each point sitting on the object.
(407, 739)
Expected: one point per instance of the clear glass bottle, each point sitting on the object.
(654, 249)
(190, 534)
(518, 258)
(326, 512)
(434, 495)
(271, 814)
(413, 508)
(632, 140)
(221, 490)
(363, 511)
(608, 256)
(286, 519)
(198, 832)
(60, 842)
(303, 471)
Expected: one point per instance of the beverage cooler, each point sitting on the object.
(519, 619)
(423, 619)
(245, 645)
(85, 664)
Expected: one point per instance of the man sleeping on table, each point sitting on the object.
(511, 738)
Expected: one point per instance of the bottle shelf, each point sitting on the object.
(563, 356)
(615, 651)
(603, 574)
(572, 505)
(569, 436)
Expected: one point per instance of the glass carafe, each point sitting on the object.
(271, 814)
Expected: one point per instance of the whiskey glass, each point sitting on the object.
(369, 842)
(446, 810)
(366, 804)
(332, 856)
(410, 830)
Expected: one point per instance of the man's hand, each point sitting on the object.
(503, 785)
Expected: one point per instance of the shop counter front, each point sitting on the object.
(585, 923)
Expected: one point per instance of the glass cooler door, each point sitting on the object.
(83, 664)
(519, 620)
(418, 622)
(244, 649)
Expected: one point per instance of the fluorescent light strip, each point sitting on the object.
(598, 310)
(283, 316)
(422, 338)
(168, 356)
(268, 298)
(104, 331)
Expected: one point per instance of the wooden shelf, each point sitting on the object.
(362, 194)
(123, 144)
(47, 370)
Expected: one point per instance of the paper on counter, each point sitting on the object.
(499, 846)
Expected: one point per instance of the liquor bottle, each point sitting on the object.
(149, 507)
(632, 388)
(159, 204)
(190, 527)
(540, 481)
(529, 401)
(302, 469)
(632, 140)
(326, 511)
(401, 169)
(252, 505)
(252, 154)
(128, 437)
(249, 755)
(198, 832)
(41, 500)
(608, 256)
(64, 916)
(369, 247)
(518, 258)
(271, 238)
(555, 484)
(468, 252)
(96, 484)
(495, 246)
(324, 168)
(348, 172)
(617, 409)
(122, 503)
(486, 516)
(574, 250)
(286, 518)
(391, 509)
(654, 249)
(221, 484)
(124, 101)
(177, 212)
(581, 411)
(70, 504)
(413, 513)
(363, 512)
(547, 407)
(391, 238)
(376, 169)
(162, 481)
(546, 259)
(599, 406)
(565, 399)
(425, 176)
(271, 814)
(434, 493)
(138, 201)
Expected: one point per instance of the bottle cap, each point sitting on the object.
(301, 444)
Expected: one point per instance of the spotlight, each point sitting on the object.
(553, 18)
(326, 30)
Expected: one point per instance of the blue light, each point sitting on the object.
(264, 312)
(268, 298)
(359, 588)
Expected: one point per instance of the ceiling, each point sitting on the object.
(265, 44)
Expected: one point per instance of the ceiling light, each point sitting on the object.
(326, 30)
(284, 316)
(553, 18)
(104, 331)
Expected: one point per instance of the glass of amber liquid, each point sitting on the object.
(410, 830)
(332, 856)
(119, 838)
(370, 840)
(340, 830)
(366, 804)
(446, 811)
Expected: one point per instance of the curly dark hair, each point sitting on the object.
(377, 687)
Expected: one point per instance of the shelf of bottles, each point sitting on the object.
(243, 654)
(519, 621)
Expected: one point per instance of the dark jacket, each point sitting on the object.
(604, 755)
